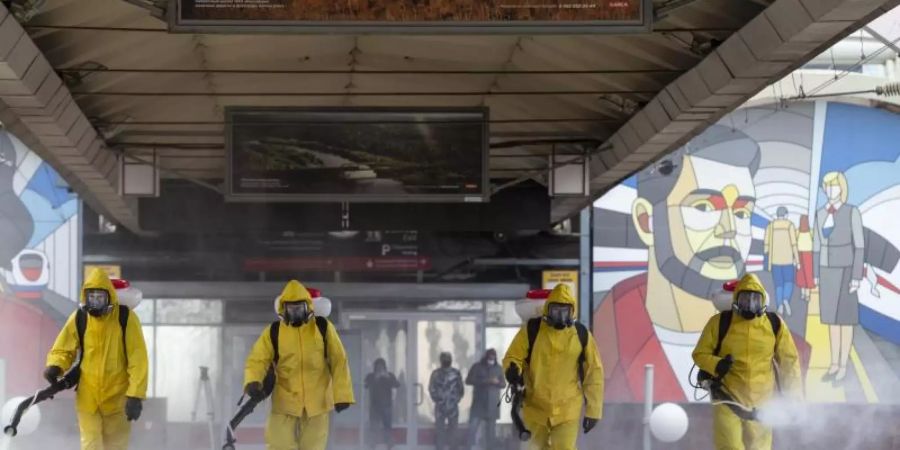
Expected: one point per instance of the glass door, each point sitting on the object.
(459, 335)
(383, 404)
(410, 344)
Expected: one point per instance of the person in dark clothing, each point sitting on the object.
(486, 376)
(380, 385)
(446, 390)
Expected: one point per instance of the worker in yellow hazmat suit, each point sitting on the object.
(312, 374)
(112, 384)
(554, 394)
(744, 364)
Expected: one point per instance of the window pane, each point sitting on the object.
(501, 313)
(183, 350)
(499, 339)
(451, 305)
(144, 311)
(188, 311)
(460, 338)
(385, 339)
(151, 366)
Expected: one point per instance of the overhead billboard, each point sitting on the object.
(410, 16)
(357, 154)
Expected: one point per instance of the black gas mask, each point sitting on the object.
(749, 304)
(296, 313)
(559, 315)
(96, 302)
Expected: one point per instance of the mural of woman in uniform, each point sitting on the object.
(838, 250)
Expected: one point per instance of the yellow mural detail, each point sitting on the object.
(818, 391)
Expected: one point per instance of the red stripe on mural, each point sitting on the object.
(620, 264)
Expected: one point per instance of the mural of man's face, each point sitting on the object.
(709, 212)
(700, 233)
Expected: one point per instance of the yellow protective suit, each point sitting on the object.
(751, 380)
(307, 386)
(553, 395)
(105, 380)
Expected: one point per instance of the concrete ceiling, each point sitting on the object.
(85, 81)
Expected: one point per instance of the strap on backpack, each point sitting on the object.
(80, 327)
(123, 324)
(322, 325)
(724, 324)
(776, 328)
(273, 336)
(583, 339)
(775, 321)
(534, 325)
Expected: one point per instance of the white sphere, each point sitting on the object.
(722, 300)
(130, 297)
(30, 419)
(528, 309)
(322, 306)
(668, 422)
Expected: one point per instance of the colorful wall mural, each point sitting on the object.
(806, 196)
(39, 260)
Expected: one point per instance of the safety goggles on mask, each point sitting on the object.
(749, 304)
(96, 301)
(559, 315)
(296, 313)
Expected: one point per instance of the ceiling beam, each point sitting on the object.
(40, 111)
(516, 93)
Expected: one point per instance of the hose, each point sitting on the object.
(514, 395)
(733, 403)
(697, 387)
(722, 391)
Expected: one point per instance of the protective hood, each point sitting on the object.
(98, 279)
(750, 282)
(561, 294)
(294, 292)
